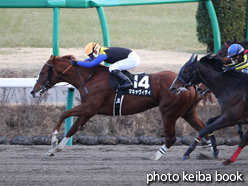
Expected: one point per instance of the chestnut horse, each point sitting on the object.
(230, 89)
(97, 97)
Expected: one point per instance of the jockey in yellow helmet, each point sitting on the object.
(119, 58)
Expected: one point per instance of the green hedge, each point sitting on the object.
(231, 17)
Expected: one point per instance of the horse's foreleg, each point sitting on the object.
(213, 144)
(80, 110)
(58, 147)
(197, 124)
(240, 130)
(170, 137)
(84, 109)
(54, 141)
(77, 125)
(81, 120)
(217, 123)
(159, 153)
(234, 157)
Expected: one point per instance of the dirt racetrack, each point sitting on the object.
(108, 165)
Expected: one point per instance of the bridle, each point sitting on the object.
(192, 76)
(226, 45)
(48, 81)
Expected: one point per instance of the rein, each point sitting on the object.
(57, 77)
(204, 80)
(83, 81)
(226, 45)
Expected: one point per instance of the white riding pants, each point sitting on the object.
(132, 61)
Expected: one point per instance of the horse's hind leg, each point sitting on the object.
(170, 136)
(234, 157)
(75, 127)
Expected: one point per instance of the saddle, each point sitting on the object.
(141, 87)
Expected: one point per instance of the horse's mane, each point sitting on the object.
(214, 61)
(66, 57)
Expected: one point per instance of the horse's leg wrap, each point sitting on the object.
(236, 154)
(58, 148)
(159, 153)
(54, 141)
(191, 148)
(214, 149)
(233, 158)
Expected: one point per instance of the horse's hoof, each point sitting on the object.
(156, 156)
(226, 163)
(216, 154)
(49, 154)
(185, 158)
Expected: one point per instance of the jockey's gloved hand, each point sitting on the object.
(227, 68)
(74, 63)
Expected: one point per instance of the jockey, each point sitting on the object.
(239, 57)
(119, 58)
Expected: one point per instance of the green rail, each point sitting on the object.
(99, 4)
(145, 2)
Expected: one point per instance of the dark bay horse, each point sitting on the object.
(230, 89)
(97, 97)
(203, 90)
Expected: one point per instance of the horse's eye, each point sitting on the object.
(42, 73)
(185, 71)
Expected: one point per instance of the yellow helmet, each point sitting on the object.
(91, 47)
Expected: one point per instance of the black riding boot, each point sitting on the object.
(125, 81)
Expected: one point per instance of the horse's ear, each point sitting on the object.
(191, 58)
(51, 56)
(194, 60)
